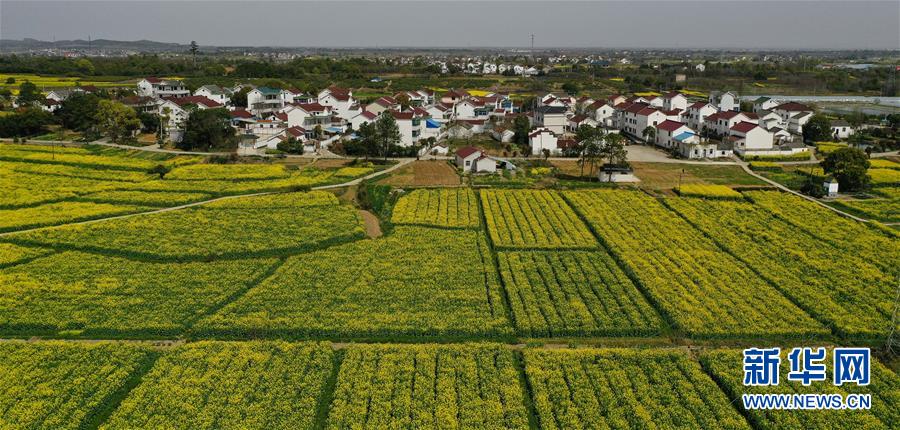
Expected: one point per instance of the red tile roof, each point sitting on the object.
(296, 131)
(669, 125)
(636, 107)
(698, 105)
(744, 126)
(241, 113)
(647, 111)
(467, 151)
(402, 115)
(578, 118)
(311, 107)
(540, 131)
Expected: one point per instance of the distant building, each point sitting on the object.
(156, 87)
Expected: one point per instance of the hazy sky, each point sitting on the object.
(749, 24)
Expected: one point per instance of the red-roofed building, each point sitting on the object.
(748, 136)
(721, 122)
(667, 132)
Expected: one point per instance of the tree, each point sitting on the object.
(10, 80)
(368, 139)
(28, 94)
(194, 49)
(387, 132)
(290, 146)
(207, 130)
(649, 134)
(848, 166)
(403, 101)
(159, 169)
(78, 111)
(25, 123)
(615, 151)
(521, 128)
(817, 129)
(239, 99)
(584, 135)
(85, 66)
(117, 121)
(571, 88)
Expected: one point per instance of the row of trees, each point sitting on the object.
(594, 146)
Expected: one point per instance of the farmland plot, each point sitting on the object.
(574, 294)
(448, 207)
(533, 219)
(705, 291)
(625, 389)
(866, 242)
(725, 366)
(59, 213)
(428, 386)
(233, 172)
(229, 385)
(57, 385)
(87, 294)
(12, 254)
(415, 283)
(830, 282)
(228, 228)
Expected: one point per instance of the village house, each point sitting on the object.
(841, 129)
(340, 100)
(674, 100)
(748, 136)
(793, 116)
(669, 133)
(382, 104)
(215, 93)
(265, 100)
(307, 115)
(727, 101)
(453, 96)
(552, 118)
(177, 109)
(466, 156)
(721, 122)
(603, 113)
(542, 139)
(579, 120)
(764, 104)
(155, 87)
(695, 114)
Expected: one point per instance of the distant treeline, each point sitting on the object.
(800, 75)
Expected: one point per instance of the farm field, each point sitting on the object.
(574, 306)
(44, 186)
(218, 385)
(574, 294)
(884, 388)
(428, 386)
(62, 385)
(83, 295)
(716, 296)
(533, 219)
(625, 389)
(232, 228)
(352, 292)
(854, 296)
(438, 207)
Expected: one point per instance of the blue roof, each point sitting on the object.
(431, 123)
(684, 136)
(334, 129)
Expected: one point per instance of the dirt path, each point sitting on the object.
(373, 226)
